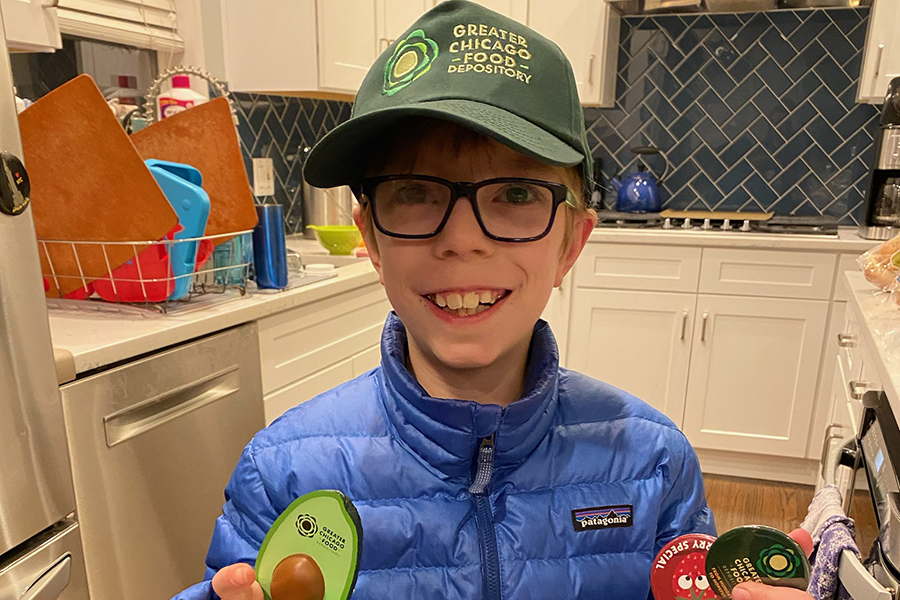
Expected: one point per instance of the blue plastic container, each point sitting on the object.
(182, 186)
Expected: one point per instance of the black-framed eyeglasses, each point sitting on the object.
(508, 209)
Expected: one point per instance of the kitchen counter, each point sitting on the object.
(99, 334)
(847, 239)
(94, 335)
(879, 320)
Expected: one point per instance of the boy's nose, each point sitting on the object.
(461, 233)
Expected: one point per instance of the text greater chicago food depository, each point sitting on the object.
(490, 50)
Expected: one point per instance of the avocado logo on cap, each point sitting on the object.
(411, 59)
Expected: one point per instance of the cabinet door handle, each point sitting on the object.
(383, 44)
(878, 59)
(591, 70)
(847, 340)
(826, 446)
(684, 316)
(703, 327)
(857, 388)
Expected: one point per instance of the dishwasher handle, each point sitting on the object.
(51, 584)
(131, 422)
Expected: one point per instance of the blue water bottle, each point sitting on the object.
(269, 252)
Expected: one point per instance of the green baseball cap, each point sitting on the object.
(463, 63)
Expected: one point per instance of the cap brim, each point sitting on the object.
(339, 157)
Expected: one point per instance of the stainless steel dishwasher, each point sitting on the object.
(153, 444)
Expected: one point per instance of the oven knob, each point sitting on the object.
(726, 225)
(746, 225)
(667, 224)
(706, 225)
(686, 224)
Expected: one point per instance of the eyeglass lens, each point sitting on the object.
(508, 209)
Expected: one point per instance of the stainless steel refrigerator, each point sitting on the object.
(40, 544)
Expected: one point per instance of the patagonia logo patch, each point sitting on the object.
(602, 517)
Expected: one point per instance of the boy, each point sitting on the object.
(469, 453)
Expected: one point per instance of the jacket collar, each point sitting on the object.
(444, 433)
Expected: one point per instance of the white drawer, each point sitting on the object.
(638, 267)
(846, 262)
(299, 342)
(774, 273)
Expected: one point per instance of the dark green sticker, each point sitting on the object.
(755, 553)
(323, 525)
(412, 58)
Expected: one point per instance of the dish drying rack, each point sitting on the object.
(222, 263)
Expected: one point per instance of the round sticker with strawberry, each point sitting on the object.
(679, 571)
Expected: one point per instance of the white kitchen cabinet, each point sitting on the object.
(395, 16)
(556, 313)
(637, 341)
(587, 31)
(331, 44)
(753, 374)
(881, 54)
(315, 347)
(515, 9)
(265, 45)
(823, 415)
(31, 25)
(347, 43)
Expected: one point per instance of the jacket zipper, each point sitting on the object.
(484, 519)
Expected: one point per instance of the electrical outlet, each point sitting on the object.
(263, 177)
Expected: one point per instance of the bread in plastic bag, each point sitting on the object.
(881, 265)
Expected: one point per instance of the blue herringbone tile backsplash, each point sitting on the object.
(278, 127)
(754, 111)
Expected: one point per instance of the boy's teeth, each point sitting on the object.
(454, 301)
(464, 304)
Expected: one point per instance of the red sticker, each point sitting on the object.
(679, 570)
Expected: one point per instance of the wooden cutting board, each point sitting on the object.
(88, 183)
(205, 138)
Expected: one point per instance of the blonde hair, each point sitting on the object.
(405, 141)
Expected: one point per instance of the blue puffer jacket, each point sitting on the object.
(571, 448)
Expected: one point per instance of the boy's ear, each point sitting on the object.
(581, 230)
(368, 236)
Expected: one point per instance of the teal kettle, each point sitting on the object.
(639, 192)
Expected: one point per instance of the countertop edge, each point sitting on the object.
(879, 320)
(847, 239)
(142, 336)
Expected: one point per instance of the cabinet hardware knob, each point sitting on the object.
(857, 388)
(703, 329)
(847, 340)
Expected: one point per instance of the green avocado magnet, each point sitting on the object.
(312, 550)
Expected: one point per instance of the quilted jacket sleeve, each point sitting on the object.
(684, 508)
(239, 532)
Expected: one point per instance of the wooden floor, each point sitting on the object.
(737, 502)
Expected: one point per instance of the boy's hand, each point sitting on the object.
(237, 582)
(758, 591)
